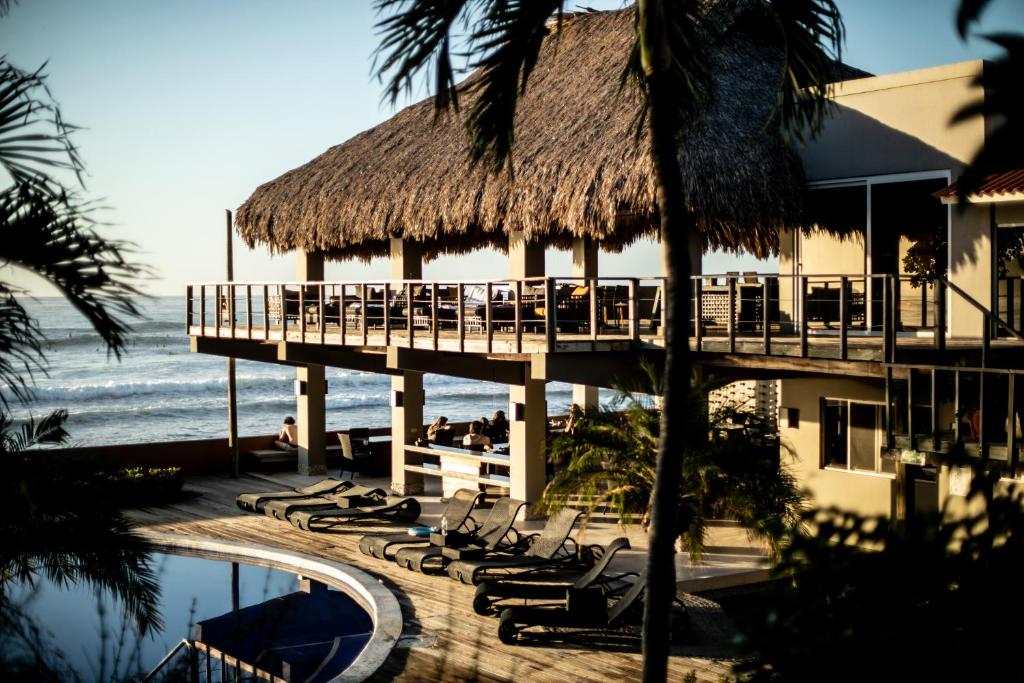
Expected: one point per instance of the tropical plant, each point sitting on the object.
(735, 472)
(1001, 102)
(669, 63)
(55, 522)
(863, 597)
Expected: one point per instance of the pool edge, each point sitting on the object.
(380, 602)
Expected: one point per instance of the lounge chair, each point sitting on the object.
(354, 496)
(544, 549)
(457, 513)
(494, 533)
(394, 509)
(552, 586)
(254, 502)
(585, 610)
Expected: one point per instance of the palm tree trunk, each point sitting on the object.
(676, 224)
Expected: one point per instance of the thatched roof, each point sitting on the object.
(578, 168)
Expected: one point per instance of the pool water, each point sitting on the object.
(86, 633)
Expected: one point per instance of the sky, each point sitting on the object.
(188, 105)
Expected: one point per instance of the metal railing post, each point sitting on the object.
(940, 315)
(844, 316)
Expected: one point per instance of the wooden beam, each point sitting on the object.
(597, 369)
(236, 348)
(479, 368)
(294, 353)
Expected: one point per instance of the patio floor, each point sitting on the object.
(443, 639)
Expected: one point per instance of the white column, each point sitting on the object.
(970, 268)
(526, 440)
(584, 265)
(527, 434)
(406, 418)
(406, 427)
(310, 403)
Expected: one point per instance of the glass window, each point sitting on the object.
(851, 435)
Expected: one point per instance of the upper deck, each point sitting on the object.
(876, 318)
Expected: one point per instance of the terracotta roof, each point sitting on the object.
(997, 186)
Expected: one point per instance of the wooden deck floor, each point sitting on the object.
(443, 639)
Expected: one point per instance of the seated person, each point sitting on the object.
(476, 440)
(499, 427)
(288, 438)
(440, 432)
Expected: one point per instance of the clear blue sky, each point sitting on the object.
(189, 105)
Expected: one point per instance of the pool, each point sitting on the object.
(236, 605)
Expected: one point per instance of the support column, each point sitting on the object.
(584, 265)
(526, 440)
(525, 259)
(312, 419)
(406, 427)
(311, 384)
(407, 388)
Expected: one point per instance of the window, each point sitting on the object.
(852, 434)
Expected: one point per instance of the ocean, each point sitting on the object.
(160, 391)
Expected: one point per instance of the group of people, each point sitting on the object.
(483, 433)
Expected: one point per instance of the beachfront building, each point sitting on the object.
(889, 309)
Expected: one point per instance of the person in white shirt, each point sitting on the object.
(475, 438)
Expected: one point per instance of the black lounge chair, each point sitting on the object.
(584, 610)
(254, 502)
(551, 587)
(537, 550)
(457, 513)
(354, 496)
(394, 509)
(493, 534)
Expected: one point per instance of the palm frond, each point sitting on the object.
(21, 349)
(509, 34)
(812, 35)
(53, 236)
(417, 38)
(968, 12)
(1003, 101)
(34, 137)
(49, 430)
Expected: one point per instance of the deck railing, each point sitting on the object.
(489, 316)
(848, 317)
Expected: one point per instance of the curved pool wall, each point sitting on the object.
(378, 601)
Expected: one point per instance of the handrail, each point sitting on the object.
(184, 643)
(422, 281)
(981, 308)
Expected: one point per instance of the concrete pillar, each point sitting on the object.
(311, 383)
(584, 264)
(406, 418)
(526, 440)
(311, 417)
(527, 434)
(406, 427)
(525, 259)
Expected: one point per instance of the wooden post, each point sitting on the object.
(634, 309)
(488, 294)
(409, 322)
(342, 322)
(940, 315)
(731, 321)
(935, 411)
(766, 325)
(433, 312)
(956, 406)
(803, 316)
(910, 408)
(890, 435)
(302, 313)
(188, 309)
(843, 317)
(698, 296)
(1011, 430)
(387, 313)
(887, 321)
(592, 296)
(460, 315)
(266, 312)
(549, 313)
(362, 312)
(232, 386)
(518, 312)
(248, 311)
(320, 315)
